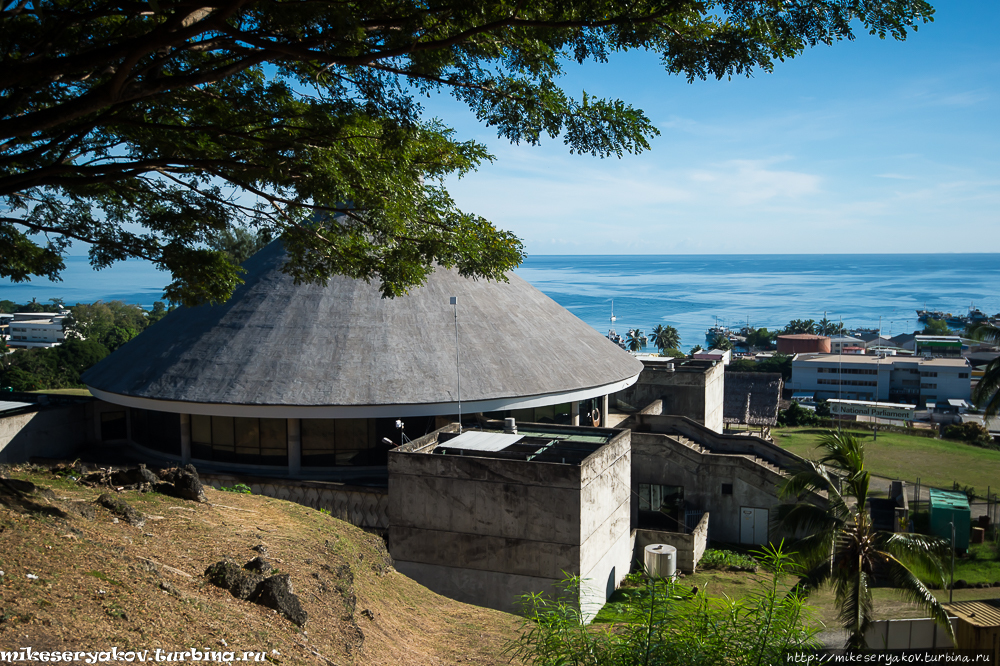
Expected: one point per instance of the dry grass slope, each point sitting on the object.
(103, 584)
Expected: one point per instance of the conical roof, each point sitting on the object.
(341, 351)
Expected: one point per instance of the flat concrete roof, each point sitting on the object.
(342, 351)
(564, 446)
(865, 359)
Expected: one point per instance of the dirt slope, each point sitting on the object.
(104, 584)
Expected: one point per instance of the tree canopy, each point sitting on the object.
(147, 129)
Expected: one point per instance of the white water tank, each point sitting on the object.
(660, 560)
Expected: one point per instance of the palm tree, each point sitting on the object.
(844, 548)
(722, 341)
(987, 392)
(635, 340)
(665, 337)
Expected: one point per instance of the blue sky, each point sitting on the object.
(871, 146)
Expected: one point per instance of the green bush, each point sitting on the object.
(972, 433)
(665, 622)
(241, 488)
(727, 560)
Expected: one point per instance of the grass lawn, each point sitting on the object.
(67, 391)
(898, 456)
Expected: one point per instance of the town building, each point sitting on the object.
(948, 346)
(910, 380)
(27, 330)
(838, 343)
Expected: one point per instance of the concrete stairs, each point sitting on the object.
(698, 448)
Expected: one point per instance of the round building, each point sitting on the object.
(312, 379)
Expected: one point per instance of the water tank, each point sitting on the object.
(660, 560)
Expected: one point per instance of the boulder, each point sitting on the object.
(228, 575)
(276, 592)
(122, 509)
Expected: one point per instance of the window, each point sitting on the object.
(661, 507)
(246, 441)
(928, 374)
(336, 442)
(963, 375)
(160, 431)
(727, 489)
(928, 386)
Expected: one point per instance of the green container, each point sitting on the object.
(947, 507)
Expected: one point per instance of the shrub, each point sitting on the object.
(972, 433)
(727, 560)
(241, 488)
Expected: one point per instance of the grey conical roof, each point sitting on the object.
(342, 345)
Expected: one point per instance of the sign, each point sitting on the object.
(883, 410)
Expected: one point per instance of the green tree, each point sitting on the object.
(696, 349)
(859, 551)
(112, 324)
(159, 311)
(147, 129)
(761, 338)
(827, 327)
(665, 337)
(635, 340)
(721, 342)
(936, 327)
(672, 352)
(797, 415)
(799, 326)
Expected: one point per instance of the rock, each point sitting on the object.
(185, 483)
(960, 584)
(996, 583)
(259, 565)
(276, 592)
(121, 509)
(230, 576)
(134, 477)
(368, 614)
(982, 585)
(260, 548)
(16, 487)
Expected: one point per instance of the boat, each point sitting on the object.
(612, 334)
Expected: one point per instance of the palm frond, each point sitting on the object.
(843, 450)
(855, 600)
(806, 518)
(908, 586)
(986, 395)
(986, 332)
(918, 552)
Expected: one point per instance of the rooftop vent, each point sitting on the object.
(509, 426)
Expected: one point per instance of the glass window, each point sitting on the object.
(223, 439)
(274, 441)
(247, 440)
(319, 442)
(661, 507)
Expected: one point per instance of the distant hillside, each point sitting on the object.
(103, 583)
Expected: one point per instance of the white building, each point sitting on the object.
(36, 329)
(900, 379)
(838, 342)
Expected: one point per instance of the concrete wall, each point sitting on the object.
(658, 459)
(690, 547)
(695, 389)
(48, 432)
(487, 530)
(364, 506)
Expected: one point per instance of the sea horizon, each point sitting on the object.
(686, 291)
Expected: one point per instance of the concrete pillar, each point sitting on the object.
(185, 438)
(604, 411)
(294, 447)
(574, 412)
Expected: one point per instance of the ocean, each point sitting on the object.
(687, 292)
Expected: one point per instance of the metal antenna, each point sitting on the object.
(458, 364)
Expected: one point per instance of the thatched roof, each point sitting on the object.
(751, 398)
(275, 343)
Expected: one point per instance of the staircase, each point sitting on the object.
(698, 448)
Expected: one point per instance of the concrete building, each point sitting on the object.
(752, 398)
(912, 380)
(803, 343)
(28, 330)
(311, 379)
(947, 346)
(485, 516)
(691, 388)
(840, 342)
